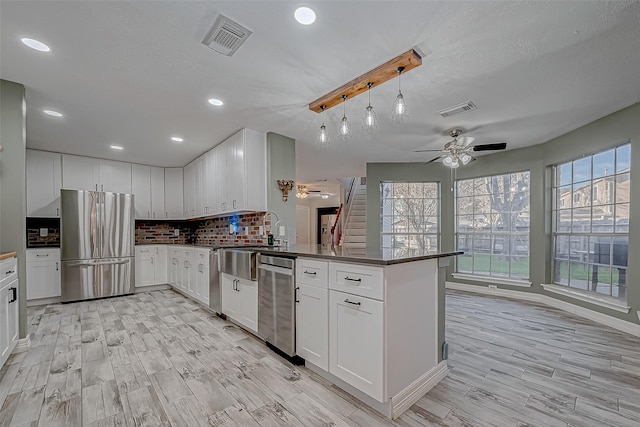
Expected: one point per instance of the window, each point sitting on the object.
(492, 225)
(410, 217)
(591, 236)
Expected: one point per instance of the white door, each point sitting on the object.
(43, 279)
(5, 297)
(231, 301)
(211, 187)
(13, 314)
(202, 283)
(173, 271)
(303, 221)
(200, 180)
(190, 190)
(186, 276)
(312, 325)
(157, 192)
(238, 182)
(44, 180)
(173, 193)
(80, 173)
(115, 176)
(193, 277)
(356, 342)
(160, 265)
(144, 266)
(248, 291)
(141, 189)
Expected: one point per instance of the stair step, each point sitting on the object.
(356, 232)
(354, 245)
(356, 226)
(355, 239)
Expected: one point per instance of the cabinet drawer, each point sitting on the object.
(312, 272)
(201, 255)
(360, 280)
(145, 250)
(43, 255)
(8, 271)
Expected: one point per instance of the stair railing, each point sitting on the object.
(336, 228)
(349, 203)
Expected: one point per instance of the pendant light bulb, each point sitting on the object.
(323, 134)
(369, 121)
(399, 106)
(344, 128)
(465, 158)
(455, 163)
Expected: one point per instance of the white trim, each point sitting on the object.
(150, 288)
(42, 301)
(491, 279)
(603, 319)
(414, 391)
(590, 298)
(22, 345)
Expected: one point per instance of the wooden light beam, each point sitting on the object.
(382, 73)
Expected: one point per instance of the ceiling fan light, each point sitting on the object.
(447, 160)
(465, 158)
(455, 163)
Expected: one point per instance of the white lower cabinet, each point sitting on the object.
(188, 271)
(202, 282)
(8, 308)
(43, 273)
(312, 324)
(356, 326)
(151, 265)
(240, 300)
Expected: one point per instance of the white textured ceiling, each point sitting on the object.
(134, 73)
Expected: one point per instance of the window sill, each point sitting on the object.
(601, 300)
(490, 279)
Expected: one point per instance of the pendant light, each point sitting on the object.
(344, 128)
(399, 106)
(323, 134)
(369, 121)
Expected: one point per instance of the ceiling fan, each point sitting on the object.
(303, 191)
(458, 151)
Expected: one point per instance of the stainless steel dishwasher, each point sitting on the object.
(277, 304)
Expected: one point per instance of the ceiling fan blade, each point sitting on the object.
(465, 141)
(490, 147)
(314, 191)
(425, 151)
(433, 160)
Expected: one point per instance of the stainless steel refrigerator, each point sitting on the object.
(97, 244)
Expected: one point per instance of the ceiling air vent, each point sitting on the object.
(226, 36)
(458, 109)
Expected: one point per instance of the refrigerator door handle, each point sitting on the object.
(93, 263)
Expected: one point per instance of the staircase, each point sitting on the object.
(355, 231)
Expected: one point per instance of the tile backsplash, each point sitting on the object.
(52, 238)
(205, 232)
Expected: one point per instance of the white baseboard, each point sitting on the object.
(603, 319)
(42, 301)
(151, 288)
(410, 395)
(23, 344)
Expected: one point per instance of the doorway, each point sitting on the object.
(303, 222)
(326, 219)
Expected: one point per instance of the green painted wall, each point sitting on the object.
(607, 132)
(13, 202)
(281, 164)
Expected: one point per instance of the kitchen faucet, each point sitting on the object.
(284, 241)
(264, 221)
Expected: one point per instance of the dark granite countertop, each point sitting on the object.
(355, 255)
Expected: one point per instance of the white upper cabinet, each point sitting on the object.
(190, 190)
(211, 183)
(44, 180)
(173, 193)
(85, 173)
(242, 172)
(157, 192)
(141, 188)
(80, 173)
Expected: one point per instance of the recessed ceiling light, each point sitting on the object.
(215, 101)
(53, 113)
(36, 44)
(305, 15)
(176, 139)
(116, 147)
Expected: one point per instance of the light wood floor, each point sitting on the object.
(159, 359)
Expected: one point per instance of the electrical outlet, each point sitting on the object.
(493, 287)
(176, 231)
(44, 232)
(260, 230)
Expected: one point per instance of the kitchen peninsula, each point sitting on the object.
(371, 322)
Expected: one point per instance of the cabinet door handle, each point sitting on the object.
(352, 280)
(9, 272)
(200, 268)
(185, 264)
(351, 302)
(234, 204)
(166, 214)
(57, 211)
(14, 295)
(96, 187)
(39, 255)
(151, 260)
(56, 266)
(295, 294)
(310, 272)
(153, 214)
